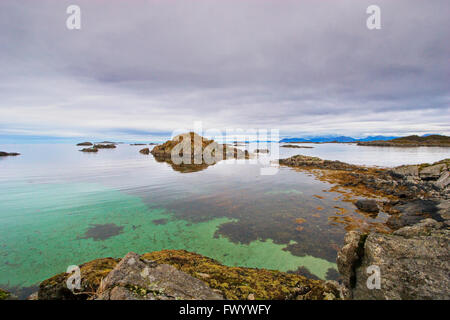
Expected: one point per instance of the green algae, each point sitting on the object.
(43, 228)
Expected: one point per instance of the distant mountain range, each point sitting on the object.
(338, 139)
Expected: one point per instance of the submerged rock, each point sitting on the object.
(9, 154)
(367, 205)
(414, 262)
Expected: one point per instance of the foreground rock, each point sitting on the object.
(135, 278)
(9, 154)
(172, 274)
(5, 295)
(92, 274)
(414, 262)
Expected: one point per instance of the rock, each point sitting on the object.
(412, 212)
(33, 296)
(89, 150)
(443, 181)
(5, 295)
(135, 278)
(412, 171)
(84, 144)
(137, 144)
(92, 274)
(261, 151)
(105, 146)
(189, 152)
(414, 263)
(295, 146)
(432, 172)
(145, 151)
(349, 255)
(367, 205)
(10, 154)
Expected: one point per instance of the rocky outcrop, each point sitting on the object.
(179, 274)
(189, 152)
(89, 150)
(136, 278)
(84, 144)
(145, 151)
(9, 154)
(295, 146)
(105, 146)
(414, 262)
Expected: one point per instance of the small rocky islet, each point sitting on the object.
(9, 154)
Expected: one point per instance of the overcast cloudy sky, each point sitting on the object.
(142, 68)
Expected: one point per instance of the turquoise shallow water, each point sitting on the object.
(60, 207)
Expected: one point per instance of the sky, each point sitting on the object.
(141, 69)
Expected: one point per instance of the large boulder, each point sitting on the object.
(135, 278)
(414, 263)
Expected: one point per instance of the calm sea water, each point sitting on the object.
(60, 207)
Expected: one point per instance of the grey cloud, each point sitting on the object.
(155, 66)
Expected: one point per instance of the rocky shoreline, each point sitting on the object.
(414, 258)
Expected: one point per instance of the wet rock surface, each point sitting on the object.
(145, 151)
(366, 205)
(414, 262)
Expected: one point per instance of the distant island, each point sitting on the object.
(335, 139)
(411, 141)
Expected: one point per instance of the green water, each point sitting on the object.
(43, 228)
